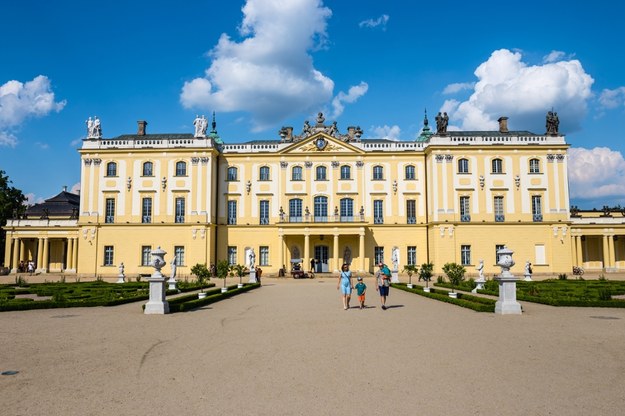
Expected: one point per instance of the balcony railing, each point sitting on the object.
(264, 221)
(538, 217)
(465, 218)
(321, 218)
(411, 220)
(146, 219)
(500, 218)
(378, 220)
(179, 219)
(232, 220)
(109, 219)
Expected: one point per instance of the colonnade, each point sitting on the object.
(16, 252)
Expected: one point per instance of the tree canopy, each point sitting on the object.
(11, 202)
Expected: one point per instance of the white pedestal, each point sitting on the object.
(239, 285)
(121, 278)
(409, 285)
(201, 295)
(172, 284)
(426, 289)
(224, 289)
(253, 276)
(394, 276)
(157, 305)
(528, 278)
(453, 295)
(507, 303)
(480, 285)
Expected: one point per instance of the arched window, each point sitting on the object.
(181, 169)
(463, 166)
(497, 166)
(534, 166)
(111, 169)
(346, 172)
(232, 173)
(321, 209)
(264, 173)
(378, 172)
(321, 173)
(296, 173)
(410, 172)
(347, 210)
(148, 169)
(295, 210)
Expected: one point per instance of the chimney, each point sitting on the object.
(65, 188)
(142, 127)
(503, 124)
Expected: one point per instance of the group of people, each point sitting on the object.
(26, 267)
(345, 285)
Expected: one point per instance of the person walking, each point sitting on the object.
(345, 285)
(383, 282)
(361, 290)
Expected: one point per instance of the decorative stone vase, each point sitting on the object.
(507, 303)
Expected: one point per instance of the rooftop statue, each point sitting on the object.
(94, 128)
(441, 123)
(201, 124)
(552, 123)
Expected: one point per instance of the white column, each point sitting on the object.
(361, 250)
(46, 250)
(335, 253)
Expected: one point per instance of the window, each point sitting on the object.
(534, 166)
(347, 210)
(321, 173)
(498, 208)
(180, 203)
(465, 255)
(410, 172)
(465, 213)
(232, 173)
(321, 209)
(179, 255)
(378, 212)
(232, 255)
(412, 255)
(146, 255)
(232, 212)
(537, 210)
(148, 169)
(264, 212)
(497, 248)
(295, 210)
(111, 169)
(346, 172)
(411, 211)
(296, 173)
(497, 166)
(109, 216)
(378, 255)
(264, 174)
(463, 166)
(181, 169)
(378, 173)
(146, 210)
(108, 255)
(264, 256)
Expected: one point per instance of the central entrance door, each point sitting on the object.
(321, 255)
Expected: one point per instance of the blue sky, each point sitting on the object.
(262, 64)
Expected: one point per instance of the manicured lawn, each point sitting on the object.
(476, 303)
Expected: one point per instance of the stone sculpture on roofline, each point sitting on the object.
(353, 132)
(552, 123)
(94, 128)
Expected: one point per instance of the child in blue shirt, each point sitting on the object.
(361, 289)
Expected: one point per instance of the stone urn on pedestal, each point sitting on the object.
(157, 304)
(507, 303)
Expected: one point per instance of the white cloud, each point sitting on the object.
(596, 173)
(457, 87)
(76, 142)
(75, 189)
(371, 23)
(19, 101)
(42, 146)
(386, 132)
(612, 98)
(353, 94)
(507, 86)
(270, 73)
(555, 56)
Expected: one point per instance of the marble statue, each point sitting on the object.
(395, 258)
(173, 269)
(480, 269)
(252, 259)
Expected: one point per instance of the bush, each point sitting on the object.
(455, 273)
(475, 303)
(605, 293)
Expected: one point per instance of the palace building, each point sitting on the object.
(320, 198)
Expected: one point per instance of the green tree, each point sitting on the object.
(455, 273)
(223, 267)
(202, 273)
(410, 269)
(11, 203)
(240, 270)
(427, 269)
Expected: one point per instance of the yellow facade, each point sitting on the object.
(453, 197)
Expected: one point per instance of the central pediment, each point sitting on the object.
(321, 143)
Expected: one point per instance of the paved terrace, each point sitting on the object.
(289, 348)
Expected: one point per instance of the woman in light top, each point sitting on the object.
(345, 285)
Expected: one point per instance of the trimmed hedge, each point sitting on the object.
(186, 303)
(475, 303)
